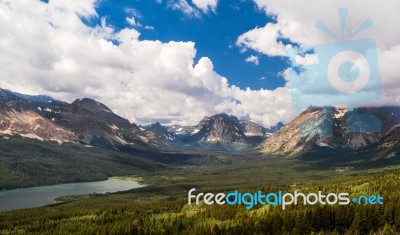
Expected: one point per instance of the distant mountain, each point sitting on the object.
(220, 128)
(273, 129)
(220, 132)
(333, 128)
(24, 117)
(159, 131)
(252, 129)
(179, 130)
(91, 123)
(37, 98)
(84, 121)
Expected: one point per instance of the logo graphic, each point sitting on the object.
(344, 73)
(282, 199)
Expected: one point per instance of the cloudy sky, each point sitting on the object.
(175, 61)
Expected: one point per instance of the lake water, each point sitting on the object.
(44, 195)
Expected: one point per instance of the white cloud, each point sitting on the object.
(206, 5)
(133, 17)
(264, 40)
(253, 59)
(307, 59)
(149, 27)
(133, 12)
(195, 9)
(184, 7)
(47, 49)
(132, 22)
(296, 21)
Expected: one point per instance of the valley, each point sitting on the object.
(85, 141)
(46, 142)
(161, 207)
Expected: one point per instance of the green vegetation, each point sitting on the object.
(28, 162)
(41, 163)
(161, 207)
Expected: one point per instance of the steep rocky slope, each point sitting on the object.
(351, 129)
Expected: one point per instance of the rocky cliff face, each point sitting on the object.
(221, 128)
(250, 128)
(160, 131)
(92, 123)
(350, 129)
(84, 121)
(21, 116)
(219, 132)
(30, 124)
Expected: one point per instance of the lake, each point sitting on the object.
(44, 195)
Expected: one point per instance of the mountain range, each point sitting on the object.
(92, 124)
(85, 122)
(221, 132)
(349, 130)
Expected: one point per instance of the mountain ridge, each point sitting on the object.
(221, 132)
(91, 123)
(85, 121)
(333, 128)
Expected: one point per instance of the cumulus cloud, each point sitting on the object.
(264, 40)
(296, 22)
(47, 49)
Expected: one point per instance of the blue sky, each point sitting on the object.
(176, 61)
(214, 33)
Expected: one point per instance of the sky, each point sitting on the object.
(176, 61)
(214, 29)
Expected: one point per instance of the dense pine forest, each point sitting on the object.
(164, 210)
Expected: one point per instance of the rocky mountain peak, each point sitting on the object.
(6, 95)
(221, 128)
(329, 127)
(250, 128)
(91, 104)
(159, 130)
